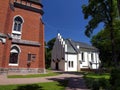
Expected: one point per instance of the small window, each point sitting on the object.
(70, 64)
(31, 57)
(82, 56)
(92, 59)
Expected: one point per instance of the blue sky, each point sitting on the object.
(65, 17)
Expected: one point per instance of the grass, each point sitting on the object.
(97, 76)
(49, 73)
(39, 86)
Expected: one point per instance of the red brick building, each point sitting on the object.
(21, 36)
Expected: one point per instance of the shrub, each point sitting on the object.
(115, 79)
(95, 85)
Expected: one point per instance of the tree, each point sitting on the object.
(50, 44)
(48, 50)
(102, 42)
(101, 11)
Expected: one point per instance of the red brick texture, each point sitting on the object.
(32, 30)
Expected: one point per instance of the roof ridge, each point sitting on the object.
(72, 44)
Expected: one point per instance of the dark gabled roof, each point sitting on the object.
(69, 47)
(84, 45)
(72, 46)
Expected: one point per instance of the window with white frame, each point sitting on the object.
(14, 56)
(17, 27)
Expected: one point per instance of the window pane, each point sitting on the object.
(17, 23)
(83, 56)
(13, 58)
(15, 26)
(19, 27)
(29, 57)
(71, 63)
(92, 59)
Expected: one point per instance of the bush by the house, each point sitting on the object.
(115, 79)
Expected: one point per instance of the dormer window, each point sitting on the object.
(17, 27)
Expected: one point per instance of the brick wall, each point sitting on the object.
(32, 30)
(1, 53)
(4, 5)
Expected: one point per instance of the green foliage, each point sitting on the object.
(96, 81)
(97, 11)
(48, 51)
(103, 42)
(50, 44)
(107, 12)
(115, 79)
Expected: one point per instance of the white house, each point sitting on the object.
(69, 55)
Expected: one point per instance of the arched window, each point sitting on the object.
(17, 23)
(17, 27)
(14, 55)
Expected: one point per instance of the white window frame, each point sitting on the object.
(17, 32)
(16, 64)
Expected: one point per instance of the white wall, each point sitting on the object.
(95, 64)
(85, 62)
(71, 57)
(88, 59)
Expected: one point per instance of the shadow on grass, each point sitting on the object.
(29, 87)
(71, 82)
(60, 85)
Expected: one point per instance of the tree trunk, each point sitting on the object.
(112, 36)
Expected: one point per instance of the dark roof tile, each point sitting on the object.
(72, 46)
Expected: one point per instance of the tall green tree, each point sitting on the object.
(101, 11)
(48, 50)
(103, 43)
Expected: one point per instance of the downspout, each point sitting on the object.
(78, 64)
(67, 62)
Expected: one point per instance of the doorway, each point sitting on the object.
(57, 66)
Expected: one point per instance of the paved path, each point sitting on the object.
(76, 82)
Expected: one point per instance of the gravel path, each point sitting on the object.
(76, 82)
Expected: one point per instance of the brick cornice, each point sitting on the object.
(3, 35)
(25, 42)
(19, 5)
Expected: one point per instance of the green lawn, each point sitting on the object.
(40, 86)
(34, 75)
(97, 76)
